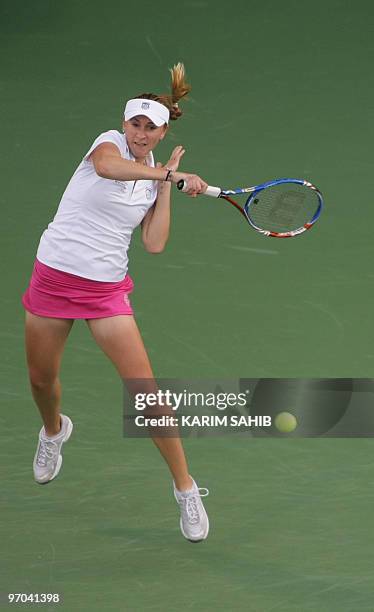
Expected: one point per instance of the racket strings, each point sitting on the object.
(283, 208)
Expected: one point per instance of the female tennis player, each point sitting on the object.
(80, 272)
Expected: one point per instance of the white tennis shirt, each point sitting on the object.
(91, 232)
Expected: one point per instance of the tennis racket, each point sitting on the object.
(282, 208)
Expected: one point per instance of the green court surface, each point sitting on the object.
(279, 89)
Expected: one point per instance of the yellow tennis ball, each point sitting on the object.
(285, 422)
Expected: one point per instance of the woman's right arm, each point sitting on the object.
(109, 164)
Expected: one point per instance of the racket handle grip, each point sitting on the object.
(214, 192)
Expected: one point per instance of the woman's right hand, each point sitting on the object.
(195, 184)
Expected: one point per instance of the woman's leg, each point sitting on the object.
(120, 339)
(45, 339)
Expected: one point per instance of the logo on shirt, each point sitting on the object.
(148, 193)
(145, 105)
(122, 185)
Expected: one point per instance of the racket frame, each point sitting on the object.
(227, 194)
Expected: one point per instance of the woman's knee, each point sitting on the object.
(42, 380)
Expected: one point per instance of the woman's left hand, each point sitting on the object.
(175, 158)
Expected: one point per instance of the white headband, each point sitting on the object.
(156, 112)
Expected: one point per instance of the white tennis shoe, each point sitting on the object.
(48, 457)
(194, 522)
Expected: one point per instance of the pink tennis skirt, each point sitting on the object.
(57, 294)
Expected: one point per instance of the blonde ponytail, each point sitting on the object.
(179, 89)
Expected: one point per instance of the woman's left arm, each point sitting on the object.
(156, 223)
